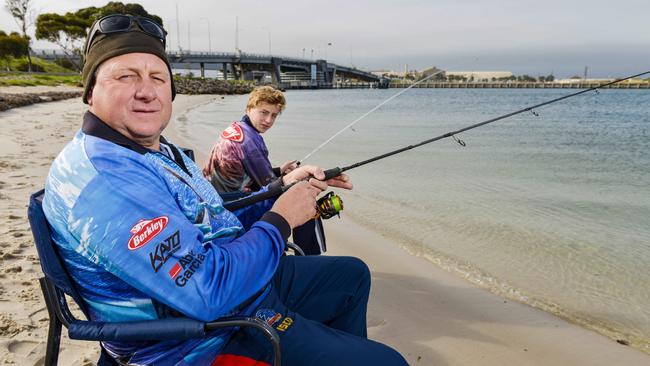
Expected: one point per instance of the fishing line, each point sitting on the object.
(335, 172)
(366, 114)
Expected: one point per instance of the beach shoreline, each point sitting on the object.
(429, 315)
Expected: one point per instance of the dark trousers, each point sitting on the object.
(318, 307)
(310, 237)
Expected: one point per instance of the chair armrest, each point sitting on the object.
(148, 330)
(167, 329)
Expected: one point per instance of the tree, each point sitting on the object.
(116, 7)
(21, 11)
(68, 31)
(526, 78)
(12, 45)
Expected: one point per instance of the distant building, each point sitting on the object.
(381, 73)
(581, 80)
(413, 74)
(480, 75)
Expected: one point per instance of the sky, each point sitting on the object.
(559, 37)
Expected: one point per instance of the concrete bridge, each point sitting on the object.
(285, 72)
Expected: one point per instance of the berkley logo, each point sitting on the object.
(145, 230)
(233, 133)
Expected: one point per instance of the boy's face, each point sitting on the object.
(263, 116)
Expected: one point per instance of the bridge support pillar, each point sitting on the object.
(276, 78)
(327, 76)
(236, 71)
(224, 70)
(202, 65)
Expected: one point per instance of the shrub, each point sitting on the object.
(22, 64)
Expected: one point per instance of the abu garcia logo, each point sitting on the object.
(186, 267)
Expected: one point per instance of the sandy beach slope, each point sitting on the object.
(30, 138)
(430, 316)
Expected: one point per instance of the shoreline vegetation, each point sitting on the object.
(41, 86)
(22, 89)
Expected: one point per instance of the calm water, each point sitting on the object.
(552, 210)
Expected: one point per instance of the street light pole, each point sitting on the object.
(178, 31)
(189, 37)
(268, 30)
(237, 34)
(209, 36)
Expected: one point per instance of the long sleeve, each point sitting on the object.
(127, 217)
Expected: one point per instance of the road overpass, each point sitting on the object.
(286, 72)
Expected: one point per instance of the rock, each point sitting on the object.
(186, 85)
(8, 101)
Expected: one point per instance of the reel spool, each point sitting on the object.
(329, 205)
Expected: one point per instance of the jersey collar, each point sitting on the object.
(94, 126)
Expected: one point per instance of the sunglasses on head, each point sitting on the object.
(123, 23)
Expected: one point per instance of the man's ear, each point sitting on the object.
(89, 98)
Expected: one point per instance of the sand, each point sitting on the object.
(429, 315)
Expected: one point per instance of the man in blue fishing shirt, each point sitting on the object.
(145, 236)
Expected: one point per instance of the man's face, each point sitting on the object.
(133, 95)
(263, 116)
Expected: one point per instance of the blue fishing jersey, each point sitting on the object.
(145, 236)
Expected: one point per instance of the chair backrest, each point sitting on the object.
(51, 262)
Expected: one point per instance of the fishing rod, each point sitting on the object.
(335, 172)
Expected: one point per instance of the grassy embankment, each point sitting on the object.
(50, 74)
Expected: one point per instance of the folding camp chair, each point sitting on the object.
(56, 284)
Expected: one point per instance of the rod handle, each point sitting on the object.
(332, 173)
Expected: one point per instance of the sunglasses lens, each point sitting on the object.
(115, 24)
(152, 28)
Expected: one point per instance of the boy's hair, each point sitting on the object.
(266, 94)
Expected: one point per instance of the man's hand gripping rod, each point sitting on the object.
(328, 206)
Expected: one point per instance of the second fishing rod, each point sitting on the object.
(333, 202)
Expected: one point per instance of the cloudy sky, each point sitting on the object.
(536, 37)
